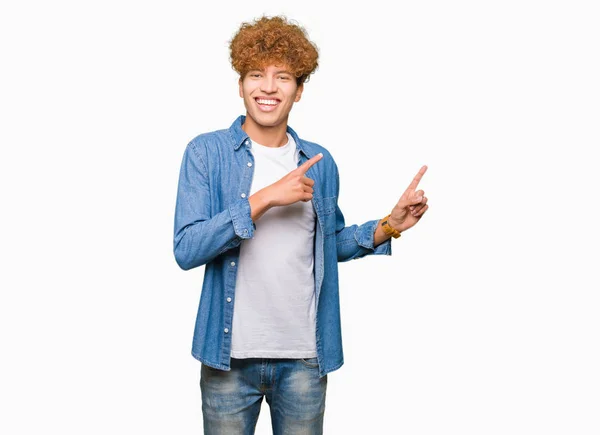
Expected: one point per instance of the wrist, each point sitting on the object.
(259, 204)
(262, 197)
(390, 227)
(394, 223)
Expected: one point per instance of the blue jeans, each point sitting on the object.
(231, 400)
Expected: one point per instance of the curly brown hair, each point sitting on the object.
(274, 40)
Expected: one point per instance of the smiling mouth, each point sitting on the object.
(267, 104)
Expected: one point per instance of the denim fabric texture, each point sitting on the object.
(212, 219)
(295, 393)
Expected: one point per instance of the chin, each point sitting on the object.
(264, 121)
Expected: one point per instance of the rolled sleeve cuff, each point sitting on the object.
(365, 235)
(242, 222)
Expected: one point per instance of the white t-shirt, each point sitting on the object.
(274, 308)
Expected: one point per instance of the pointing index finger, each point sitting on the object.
(309, 163)
(415, 182)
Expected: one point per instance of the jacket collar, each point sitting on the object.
(239, 137)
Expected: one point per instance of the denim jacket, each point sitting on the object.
(212, 219)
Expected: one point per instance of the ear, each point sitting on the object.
(299, 92)
(241, 88)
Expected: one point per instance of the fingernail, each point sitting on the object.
(321, 154)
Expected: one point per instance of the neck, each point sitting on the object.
(274, 136)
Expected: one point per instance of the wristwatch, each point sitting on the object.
(385, 226)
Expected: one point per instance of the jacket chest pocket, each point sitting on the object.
(328, 206)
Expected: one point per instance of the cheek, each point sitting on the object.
(247, 98)
(246, 89)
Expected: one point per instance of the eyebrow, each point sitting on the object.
(279, 71)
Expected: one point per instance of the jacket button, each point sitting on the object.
(243, 195)
(249, 164)
(232, 263)
(226, 330)
(228, 299)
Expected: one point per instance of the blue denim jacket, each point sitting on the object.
(212, 219)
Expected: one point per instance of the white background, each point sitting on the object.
(485, 320)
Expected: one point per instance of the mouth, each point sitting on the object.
(267, 104)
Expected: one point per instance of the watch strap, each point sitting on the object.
(385, 226)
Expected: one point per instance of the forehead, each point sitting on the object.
(272, 67)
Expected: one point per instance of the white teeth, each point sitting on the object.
(268, 102)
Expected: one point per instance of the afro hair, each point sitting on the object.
(272, 41)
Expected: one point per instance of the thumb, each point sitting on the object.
(412, 200)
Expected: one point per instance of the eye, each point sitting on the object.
(284, 77)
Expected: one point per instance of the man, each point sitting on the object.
(258, 206)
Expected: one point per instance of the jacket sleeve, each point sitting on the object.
(356, 241)
(199, 236)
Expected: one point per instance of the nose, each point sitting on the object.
(268, 84)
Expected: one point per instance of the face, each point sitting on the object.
(269, 95)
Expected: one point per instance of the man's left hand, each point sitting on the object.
(411, 206)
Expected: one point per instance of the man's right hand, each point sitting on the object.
(294, 187)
